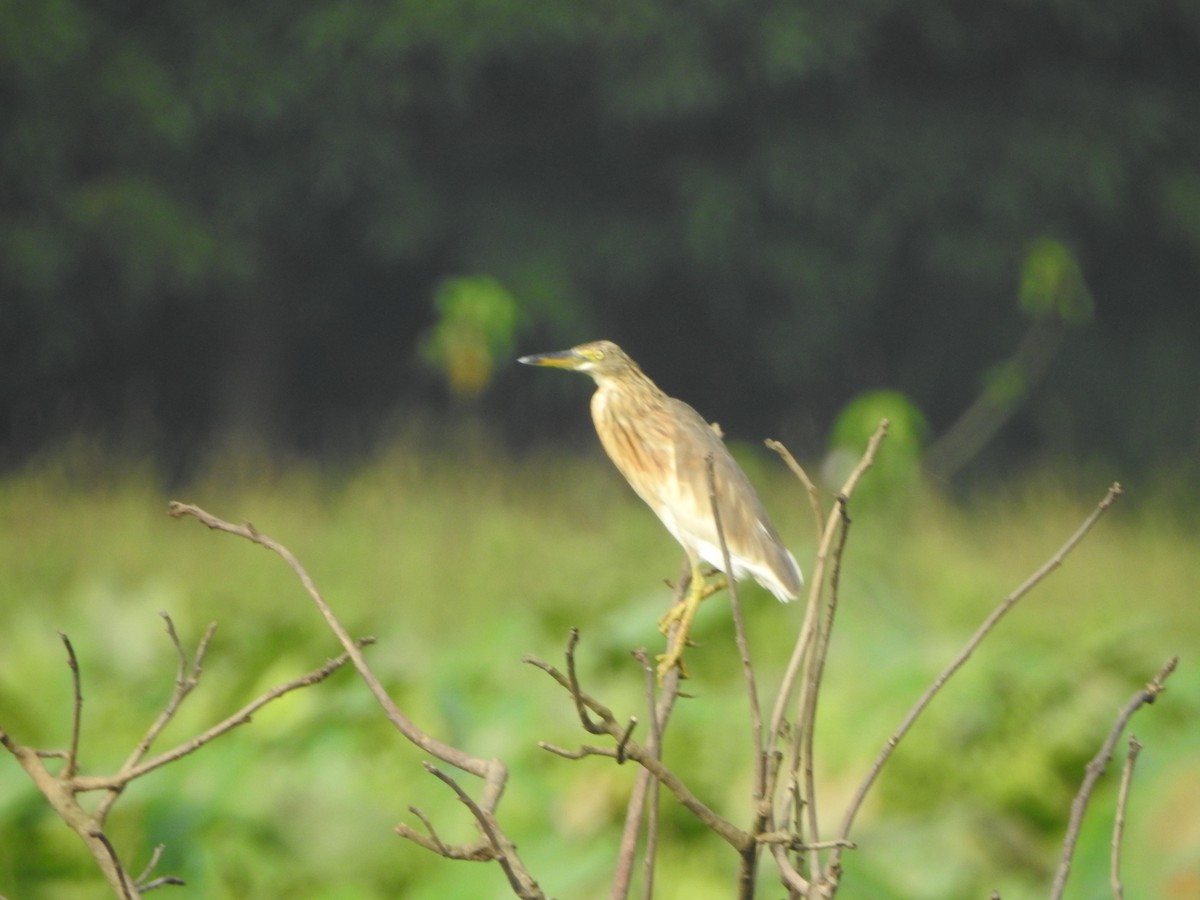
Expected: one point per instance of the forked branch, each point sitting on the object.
(1096, 768)
(982, 632)
(492, 844)
(61, 789)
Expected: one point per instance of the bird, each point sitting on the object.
(661, 446)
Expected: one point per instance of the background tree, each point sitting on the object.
(843, 197)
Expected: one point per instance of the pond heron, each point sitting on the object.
(661, 446)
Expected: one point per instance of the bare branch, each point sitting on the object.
(814, 496)
(72, 765)
(127, 774)
(743, 644)
(186, 680)
(827, 533)
(128, 891)
(748, 868)
(433, 835)
(584, 751)
(1096, 768)
(493, 772)
(997, 614)
(810, 692)
(144, 883)
(648, 760)
(643, 799)
(1118, 835)
(503, 850)
(800, 651)
(152, 865)
(161, 882)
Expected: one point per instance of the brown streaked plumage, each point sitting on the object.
(660, 445)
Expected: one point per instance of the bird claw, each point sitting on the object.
(669, 661)
(672, 616)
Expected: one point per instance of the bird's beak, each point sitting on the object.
(561, 359)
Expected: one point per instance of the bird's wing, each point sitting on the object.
(754, 545)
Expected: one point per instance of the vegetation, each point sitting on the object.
(268, 251)
(459, 564)
(229, 218)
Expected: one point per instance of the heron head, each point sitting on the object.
(598, 359)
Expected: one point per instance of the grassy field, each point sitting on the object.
(459, 565)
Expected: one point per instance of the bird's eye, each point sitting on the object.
(594, 355)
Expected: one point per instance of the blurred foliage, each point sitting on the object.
(1052, 284)
(477, 320)
(897, 470)
(460, 561)
(230, 217)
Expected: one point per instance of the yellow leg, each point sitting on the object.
(682, 613)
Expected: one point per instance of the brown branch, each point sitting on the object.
(72, 765)
(810, 691)
(635, 752)
(144, 883)
(1096, 768)
(748, 867)
(503, 849)
(1118, 834)
(128, 891)
(61, 790)
(989, 623)
(643, 799)
(63, 801)
(493, 772)
(185, 681)
(814, 496)
(479, 851)
(800, 651)
(818, 577)
(127, 773)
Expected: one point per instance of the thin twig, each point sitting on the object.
(1118, 835)
(647, 783)
(814, 496)
(72, 765)
(573, 677)
(144, 883)
(818, 576)
(797, 884)
(800, 650)
(1096, 768)
(127, 890)
(501, 847)
(810, 693)
(118, 781)
(643, 799)
(152, 865)
(734, 836)
(433, 835)
(161, 882)
(989, 623)
(493, 772)
(186, 679)
(749, 862)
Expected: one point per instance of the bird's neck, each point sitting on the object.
(632, 384)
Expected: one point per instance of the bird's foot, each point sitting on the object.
(680, 610)
(673, 659)
(672, 616)
(677, 626)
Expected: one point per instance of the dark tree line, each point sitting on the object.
(227, 219)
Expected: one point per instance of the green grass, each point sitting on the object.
(460, 565)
